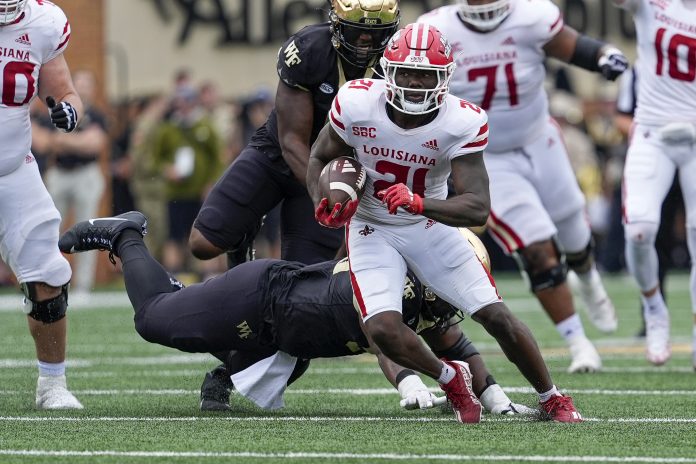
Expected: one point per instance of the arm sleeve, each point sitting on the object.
(626, 98)
(60, 35)
(338, 117)
(476, 133)
(548, 23)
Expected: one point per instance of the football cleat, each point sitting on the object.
(657, 348)
(560, 408)
(101, 233)
(52, 393)
(599, 307)
(215, 390)
(584, 355)
(495, 401)
(467, 408)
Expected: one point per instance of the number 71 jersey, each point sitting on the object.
(40, 34)
(666, 31)
(420, 157)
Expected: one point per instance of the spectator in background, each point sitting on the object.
(74, 176)
(121, 165)
(147, 183)
(186, 151)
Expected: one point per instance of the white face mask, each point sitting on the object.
(432, 98)
(10, 10)
(487, 16)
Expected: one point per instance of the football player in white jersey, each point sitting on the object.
(410, 134)
(663, 142)
(537, 208)
(33, 36)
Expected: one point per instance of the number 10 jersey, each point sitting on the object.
(40, 34)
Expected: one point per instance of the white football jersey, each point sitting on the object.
(666, 31)
(419, 158)
(502, 70)
(39, 35)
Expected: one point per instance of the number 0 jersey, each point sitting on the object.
(420, 158)
(502, 70)
(40, 34)
(666, 31)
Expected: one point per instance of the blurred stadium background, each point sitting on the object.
(222, 53)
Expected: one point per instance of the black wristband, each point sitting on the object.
(586, 54)
(403, 374)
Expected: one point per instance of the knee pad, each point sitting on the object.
(641, 233)
(547, 278)
(460, 351)
(582, 260)
(47, 311)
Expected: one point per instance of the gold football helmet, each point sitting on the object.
(360, 29)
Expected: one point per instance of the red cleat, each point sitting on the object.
(560, 408)
(467, 408)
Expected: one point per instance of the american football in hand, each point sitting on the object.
(342, 180)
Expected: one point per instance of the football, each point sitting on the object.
(342, 180)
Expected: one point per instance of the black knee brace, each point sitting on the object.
(582, 260)
(46, 311)
(460, 351)
(548, 278)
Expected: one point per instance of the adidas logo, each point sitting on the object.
(508, 41)
(432, 144)
(23, 39)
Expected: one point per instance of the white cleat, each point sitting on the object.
(495, 401)
(657, 347)
(52, 393)
(599, 307)
(584, 355)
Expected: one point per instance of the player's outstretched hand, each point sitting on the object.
(400, 195)
(612, 63)
(337, 216)
(63, 114)
(415, 394)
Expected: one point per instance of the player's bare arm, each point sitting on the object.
(472, 204)
(587, 53)
(55, 81)
(328, 146)
(295, 111)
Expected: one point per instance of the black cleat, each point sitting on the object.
(101, 233)
(215, 390)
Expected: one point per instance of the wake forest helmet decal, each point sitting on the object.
(360, 29)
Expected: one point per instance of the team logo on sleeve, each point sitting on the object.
(292, 54)
(326, 88)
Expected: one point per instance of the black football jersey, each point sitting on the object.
(312, 312)
(306, 61)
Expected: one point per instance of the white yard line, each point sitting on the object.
(623, 420)
(347, 456)
(359, 391)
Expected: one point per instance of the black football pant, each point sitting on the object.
(251, 187)
(222, 314)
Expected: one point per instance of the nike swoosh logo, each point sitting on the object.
(91, 221)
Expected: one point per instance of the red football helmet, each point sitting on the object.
(418, 46)
(10, 10)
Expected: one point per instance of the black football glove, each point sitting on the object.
(63, 114)
(612, 63)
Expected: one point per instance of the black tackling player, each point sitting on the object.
(312, 65)
(262, 307)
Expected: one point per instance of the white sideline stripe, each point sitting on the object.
(364, 391)
(623, 420)
(351, 456)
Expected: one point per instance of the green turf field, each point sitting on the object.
(141, 401)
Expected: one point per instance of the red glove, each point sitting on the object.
(336, 217)
(400, 195)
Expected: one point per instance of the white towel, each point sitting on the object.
(264, 382)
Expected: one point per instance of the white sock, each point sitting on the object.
(447, 374)
(570, 327)
(51, 369)
(587, 277)
(544, 397)
(654, 305)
